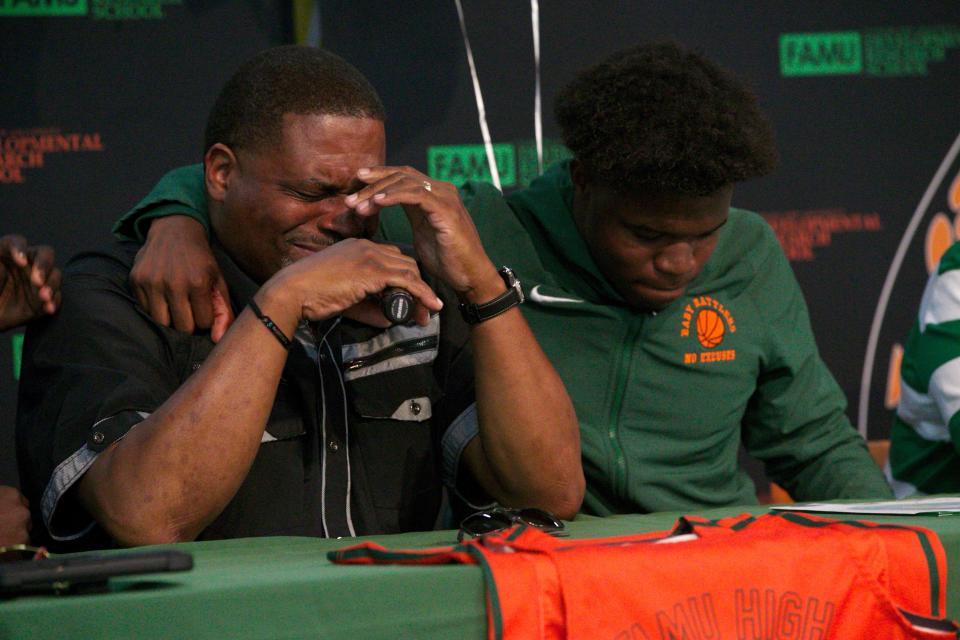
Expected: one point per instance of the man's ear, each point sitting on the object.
(219, 164)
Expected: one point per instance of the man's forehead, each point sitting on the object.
(341, 133)
(666, 210)
(679, 227)
(325, 149)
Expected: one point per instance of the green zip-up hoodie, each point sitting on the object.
(663, 399)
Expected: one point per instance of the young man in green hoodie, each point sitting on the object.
(674, 320)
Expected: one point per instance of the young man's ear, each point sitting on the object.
(578, 175)
(219, 163)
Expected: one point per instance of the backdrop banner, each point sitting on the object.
(101, 97)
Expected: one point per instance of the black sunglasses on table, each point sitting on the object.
(492, 520)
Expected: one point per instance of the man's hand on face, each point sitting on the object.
(346, 278)
(29, 282)
(444, 235)
(14, 517)
(175, 277)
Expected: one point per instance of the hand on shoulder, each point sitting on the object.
(175, 276)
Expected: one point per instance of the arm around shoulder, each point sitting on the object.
(179, 192)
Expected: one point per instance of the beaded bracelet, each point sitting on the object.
(270, 324)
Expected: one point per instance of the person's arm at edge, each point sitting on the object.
(29, 282)
(931, 356)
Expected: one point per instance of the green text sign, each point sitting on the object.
(43, 7)
(820, 54)
(458, 163)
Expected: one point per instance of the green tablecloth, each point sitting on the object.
(286, 588)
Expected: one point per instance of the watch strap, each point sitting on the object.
(512, 297)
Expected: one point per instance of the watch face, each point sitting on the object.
(512, 282)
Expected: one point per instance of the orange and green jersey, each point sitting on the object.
(785, 576)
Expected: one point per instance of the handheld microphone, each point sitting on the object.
(396, 304)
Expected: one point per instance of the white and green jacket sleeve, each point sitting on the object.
(925, 436)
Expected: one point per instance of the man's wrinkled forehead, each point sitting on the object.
(327, 150)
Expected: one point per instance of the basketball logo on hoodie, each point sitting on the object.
(708, 321)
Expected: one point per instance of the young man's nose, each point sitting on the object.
(676, 259)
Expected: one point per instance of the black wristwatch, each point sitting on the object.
(477, 313)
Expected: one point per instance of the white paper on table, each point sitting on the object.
(940, 506)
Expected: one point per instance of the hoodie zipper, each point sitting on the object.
(622, 376)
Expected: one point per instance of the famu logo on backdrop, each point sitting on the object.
(516, 161)
(817, 54)
(98, 9)
(43, 7)
(888, 51)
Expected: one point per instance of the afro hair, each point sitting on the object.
(656, 118)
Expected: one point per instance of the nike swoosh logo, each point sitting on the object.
(542, 298)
